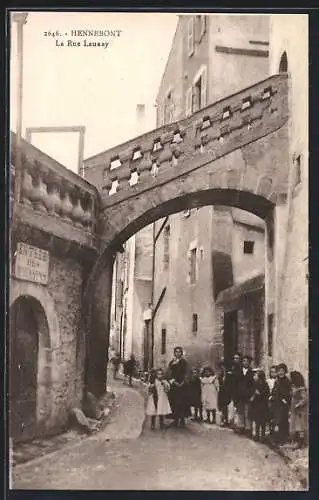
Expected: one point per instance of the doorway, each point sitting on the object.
(230, 335)
(26, 318)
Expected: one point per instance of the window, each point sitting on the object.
(283, 65)
(270, 333)
(249, 247)
(195, 324)
(270, 236)
(189, 103)
(200, 91)
(297, 170)
(190, 36)
(197, 92)
(169, 108)
(193, 265)
(163, 341)
(166, 246)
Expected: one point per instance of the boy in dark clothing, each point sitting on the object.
(224, 393)
(259, 404)
(281, 398)
(244, 385)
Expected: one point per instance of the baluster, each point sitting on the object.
(88, 214)
(27, 188)
(66, 207)
(78, 212)
(53, 201)
(39, 194)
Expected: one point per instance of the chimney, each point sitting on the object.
(140, 119)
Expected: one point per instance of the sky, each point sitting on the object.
(95, 87)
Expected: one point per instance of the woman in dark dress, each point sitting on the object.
(177, 373)
(281, 398)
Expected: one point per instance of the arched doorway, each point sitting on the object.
(27, 322)
(283, 65)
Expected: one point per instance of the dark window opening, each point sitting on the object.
(166, 246)
(197, 104)
(195, 323)
(249, 247)
(270, 235)
(163, 342)
(169, 108)
(270, 333)
(297, 170)
(193, 265)
(283, 65)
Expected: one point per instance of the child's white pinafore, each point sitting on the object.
(163, 406)
(209, 392)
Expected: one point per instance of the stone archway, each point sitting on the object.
(98, 293)
(33, 339)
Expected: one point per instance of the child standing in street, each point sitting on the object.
(195, 395)
(158, 403)
(224, 392)
(209, 383)
(299, 410)
(259, 404)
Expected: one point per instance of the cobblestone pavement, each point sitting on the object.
(200, 457)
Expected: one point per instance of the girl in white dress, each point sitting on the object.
(158, 403)
(209, 383)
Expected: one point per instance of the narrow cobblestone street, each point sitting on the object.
(128, 455)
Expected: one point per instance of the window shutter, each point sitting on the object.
(190, 40)
(189, 99)
(203, 97)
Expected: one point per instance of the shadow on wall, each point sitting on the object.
(222, 272)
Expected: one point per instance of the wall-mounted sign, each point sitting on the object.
(31, 264)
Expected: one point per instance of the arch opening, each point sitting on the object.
(255, 204)
(29, 343)
(101, 293)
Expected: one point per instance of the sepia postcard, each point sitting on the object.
(158, 288)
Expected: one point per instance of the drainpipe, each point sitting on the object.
(152, 297)
(20, 19)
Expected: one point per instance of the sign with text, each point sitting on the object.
(31, 264)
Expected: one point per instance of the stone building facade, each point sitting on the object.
(211, 57)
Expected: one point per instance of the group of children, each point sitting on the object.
(242, 398)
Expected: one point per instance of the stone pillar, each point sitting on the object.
(99, 301)
(270, 290)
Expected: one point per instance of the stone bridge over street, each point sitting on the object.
(234, 152)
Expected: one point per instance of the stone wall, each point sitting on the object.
(289, 33)
(61, 300)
